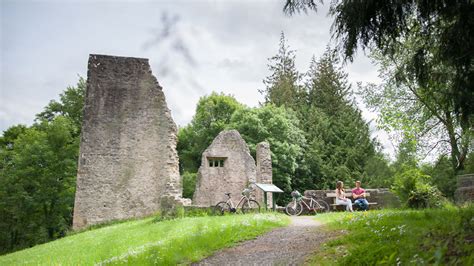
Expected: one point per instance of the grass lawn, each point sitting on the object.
(399, 237)
(145, 242)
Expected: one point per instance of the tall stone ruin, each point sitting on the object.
(128, 161)
(264, 168)
(228, 167)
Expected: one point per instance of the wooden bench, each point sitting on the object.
(349, 196)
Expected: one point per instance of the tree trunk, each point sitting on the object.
(458, 163)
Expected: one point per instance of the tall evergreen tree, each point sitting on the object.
(327, 84)
(338, 137)
(282, 85)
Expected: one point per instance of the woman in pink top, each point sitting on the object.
(341, 198)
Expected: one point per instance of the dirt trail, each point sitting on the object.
(283, 246)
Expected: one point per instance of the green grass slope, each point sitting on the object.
(145, 242)
(399, 237)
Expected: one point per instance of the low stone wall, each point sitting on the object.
(465, 191)
(383, 197)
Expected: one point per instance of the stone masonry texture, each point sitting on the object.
(237, 172)
(128, 160)
(264, 168)
(465, 189)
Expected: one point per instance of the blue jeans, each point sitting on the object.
(362, 203)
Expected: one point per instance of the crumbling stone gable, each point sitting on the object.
(128, 159)
(226, 166)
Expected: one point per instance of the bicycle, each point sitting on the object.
(295, 207)
(246, 204)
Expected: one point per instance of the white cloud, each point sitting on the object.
(210, 46)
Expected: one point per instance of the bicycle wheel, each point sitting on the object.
(221, 208)
(250, 206)
(294, 208)
(321, 206)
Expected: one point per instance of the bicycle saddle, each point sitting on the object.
(228, 194)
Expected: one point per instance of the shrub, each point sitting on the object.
(189, 184)
(416, 191)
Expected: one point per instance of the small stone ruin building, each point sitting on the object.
(128, 163)
(227, 166)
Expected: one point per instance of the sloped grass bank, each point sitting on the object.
(145, 242)
(400, 237)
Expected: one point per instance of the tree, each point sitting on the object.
(444, 176)
(37, 185)
(213, 114)
(378, 172)
(339, 143)
(282, 85)
(327, 84)
(38, 166)
(444, 32)
(71, 105)
(277, 125)
(415, 189)
(280, 127)
(422, 110)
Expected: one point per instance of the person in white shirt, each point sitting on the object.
(341, 198)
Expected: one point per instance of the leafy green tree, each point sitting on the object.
(378, 173)
(469, 164)
(38, 166)
(71, 105)
(213, 114)
(444, 176)
(189, 184)
(422, 110)
(278, 126)
(37, 185)
(10, 135)
(443, 31)
(406, 154)
(282, 86)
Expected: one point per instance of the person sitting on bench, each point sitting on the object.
(358, 194)
(341, 198)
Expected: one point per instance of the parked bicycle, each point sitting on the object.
(246, 204)
(295, 207)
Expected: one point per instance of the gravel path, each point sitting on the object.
(283, 246)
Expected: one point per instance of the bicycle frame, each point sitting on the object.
(231, 203)
(313, 203)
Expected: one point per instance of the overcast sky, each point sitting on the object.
(194, 47)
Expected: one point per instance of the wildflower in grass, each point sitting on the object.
(245, 223)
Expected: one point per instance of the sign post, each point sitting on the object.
(269, 188)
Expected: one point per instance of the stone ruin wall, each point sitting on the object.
(238, 171)
(128, 159)
(264, 170)
(465, 190)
